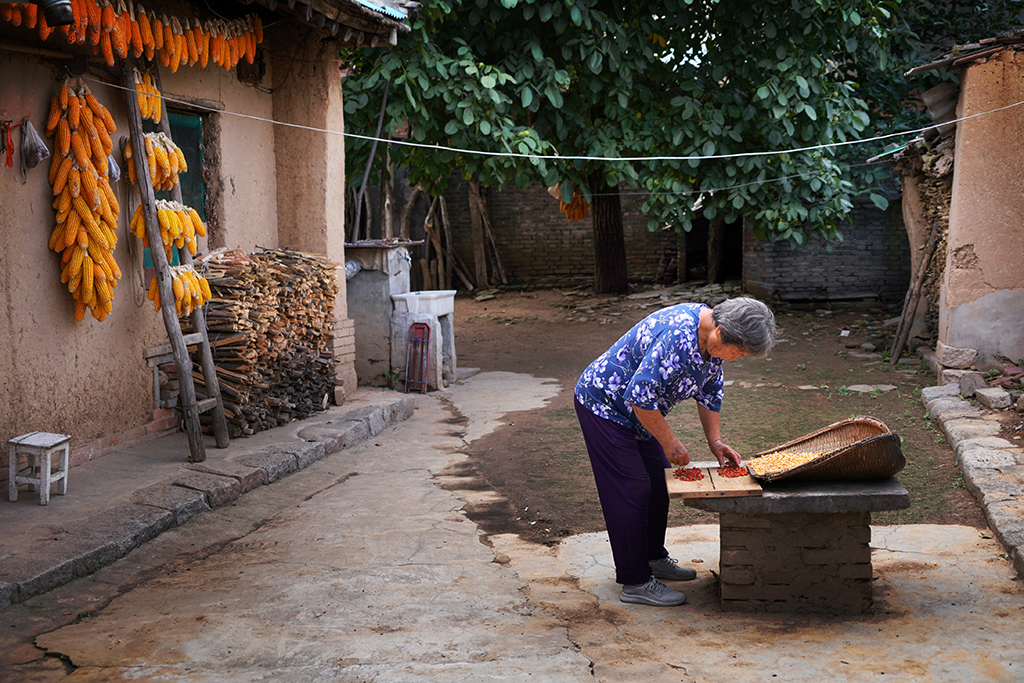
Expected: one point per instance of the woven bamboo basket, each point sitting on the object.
(857, 448)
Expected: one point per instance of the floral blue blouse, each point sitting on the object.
(655, 365)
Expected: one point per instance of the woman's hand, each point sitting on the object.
(677, 453)
(655, 423)
(723, 452)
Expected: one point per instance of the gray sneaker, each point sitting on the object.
(668, 569)
(653, 592)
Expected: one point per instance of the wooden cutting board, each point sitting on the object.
(712, 485)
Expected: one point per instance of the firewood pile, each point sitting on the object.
(270, 325)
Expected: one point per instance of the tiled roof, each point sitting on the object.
(964, 54)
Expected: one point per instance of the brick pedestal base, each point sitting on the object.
(796, 562)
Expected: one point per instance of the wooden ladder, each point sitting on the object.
(179, 342)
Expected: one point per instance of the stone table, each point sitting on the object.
(800, 546)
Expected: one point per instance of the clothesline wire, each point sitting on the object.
(556, 157)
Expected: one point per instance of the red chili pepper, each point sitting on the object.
(731, 471)
(689, 474)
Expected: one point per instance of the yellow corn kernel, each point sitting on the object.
(781, 461)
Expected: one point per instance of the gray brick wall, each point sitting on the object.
(539, 245)
(873, 260)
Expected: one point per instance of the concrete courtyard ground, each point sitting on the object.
(392, 558)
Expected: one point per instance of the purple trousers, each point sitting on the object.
(630, 477)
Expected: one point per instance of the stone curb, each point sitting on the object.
(992, 467)
(84, 546)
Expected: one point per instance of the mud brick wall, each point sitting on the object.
(796, 562)
(872, 261)
(537, 244)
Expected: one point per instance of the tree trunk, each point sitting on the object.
(405, 219)
(449, 262)
(609, 241)
(479, 240)
(714, 251)
(388, 224)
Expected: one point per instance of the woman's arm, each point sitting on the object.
(709, 421)
(654, 422)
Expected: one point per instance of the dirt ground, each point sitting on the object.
(538, 462)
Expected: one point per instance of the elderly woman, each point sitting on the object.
(621, 402)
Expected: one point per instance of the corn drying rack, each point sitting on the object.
(191, 407)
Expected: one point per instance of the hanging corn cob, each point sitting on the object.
(576, 209)
(150, 101)
(116, 28)
(85, 231)
(179, 225)
(191, 290)
(164, 159)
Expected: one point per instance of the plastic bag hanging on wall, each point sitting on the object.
(33, 150)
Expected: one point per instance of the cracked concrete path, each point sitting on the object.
(947, 608)
(374, 573)
(364, 567)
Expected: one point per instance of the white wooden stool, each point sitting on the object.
(39, 446)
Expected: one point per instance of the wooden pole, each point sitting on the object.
(479, 245)
(182, 360)
(220, 423)
(449, 245)
(913, 296)
(369, 164)
(489, 230)
(435, 240)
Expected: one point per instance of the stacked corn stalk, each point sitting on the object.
(303, 331)
(238, 315)
(269, 323)
(117, 28)
(87, 208)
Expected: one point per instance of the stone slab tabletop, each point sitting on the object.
(813, 497)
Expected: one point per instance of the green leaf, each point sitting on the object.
(538, 54)
(485, 127)
(567, 189)
(488, 81)
(554, 97)
(451, 128)
(879, 201)
(527, 97)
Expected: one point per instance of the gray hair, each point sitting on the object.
(746, 323)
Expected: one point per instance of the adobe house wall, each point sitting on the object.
(982, 296)
(89, 378)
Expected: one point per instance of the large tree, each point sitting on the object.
(723, 110)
